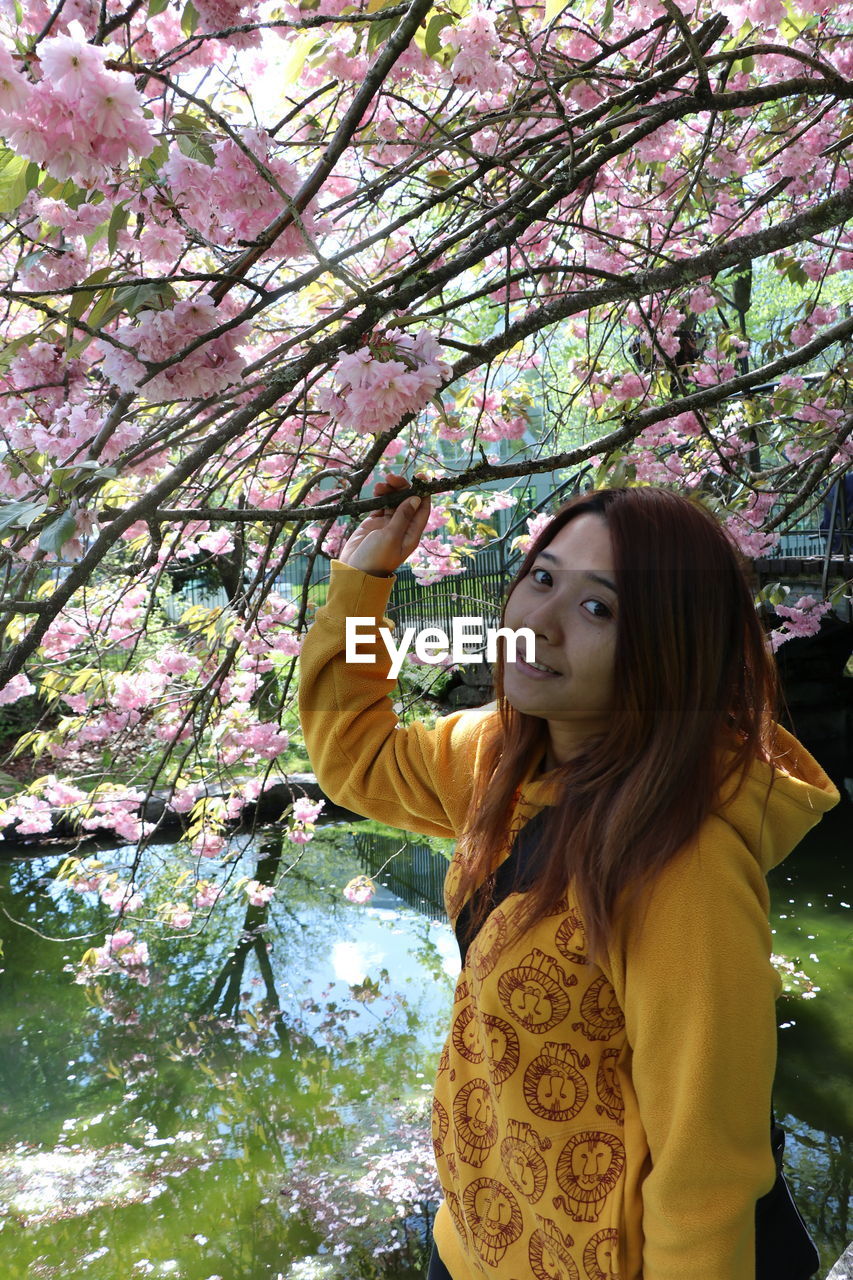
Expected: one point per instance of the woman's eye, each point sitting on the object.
(597, 609)
(544, 581)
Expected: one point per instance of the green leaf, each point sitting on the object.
(7, 355)
(55, 535)
(157, 6)
(189, 18)
(380, 32)
(19, 515)
(432, 36)
(196, 149)
(82, 298)
(68, 478)
(134, 298)
(14, 186)
(97, 315)
(117, 223)
(150, 166)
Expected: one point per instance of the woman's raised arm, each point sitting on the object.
(416, 778)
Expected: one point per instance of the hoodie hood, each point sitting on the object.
(777, 805)
(771, 811)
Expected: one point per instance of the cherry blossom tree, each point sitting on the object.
(253, 253)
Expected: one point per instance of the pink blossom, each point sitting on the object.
(81, 120)
(373, 394)
(630, 387)
(15, 89)
(32, 814)
(120, 897)
(120, 954)
(359, 890)
(233, 200)
(171, 661)
(16, 687)
(535, 525)
(701, 300)
(259, 894)
(305, 810)
(183, 798)
(89, 883)
(179, 916)
(766, 13)
(217, 543)
(159, 335)
(477, 63)
(160, 245)
(70, 62)
(264, 738)
(803, 618)
(206, 895)
(208, 845)
(299, 835)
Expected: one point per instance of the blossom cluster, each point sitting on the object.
(378, 1208)
(158, 337)
(802, 618)
(359, 890)
(80, 120)
(477, 63)
(232, 198)
(372, 394)
(121, 954)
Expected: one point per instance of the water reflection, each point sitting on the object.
(173, 1117)
(279, 1065)
(813, 931)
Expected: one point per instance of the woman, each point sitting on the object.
(602, 1103)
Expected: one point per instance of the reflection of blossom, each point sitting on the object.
(259, 894)
(360, 890)
(178, 916)
(378, 1207)
(794, 981)
(206, 894)
(121, 954)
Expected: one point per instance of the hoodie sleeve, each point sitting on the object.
(415, 778)
(698, 991)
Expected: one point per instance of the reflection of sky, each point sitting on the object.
(389, 936)
(379, 947)
(348, 944)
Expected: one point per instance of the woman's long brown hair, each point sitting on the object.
(693, 674)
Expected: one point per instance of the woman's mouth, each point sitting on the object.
(537, 670)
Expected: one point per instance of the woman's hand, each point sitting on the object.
(387, 537)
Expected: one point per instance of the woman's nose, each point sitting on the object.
(545, 620)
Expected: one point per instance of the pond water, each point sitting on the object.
(260, 1110)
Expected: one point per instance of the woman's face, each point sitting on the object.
(568, 599)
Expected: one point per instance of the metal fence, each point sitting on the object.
(476, 593)
(479, 591)
(415, 872)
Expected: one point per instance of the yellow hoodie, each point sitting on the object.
(589, 1120)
